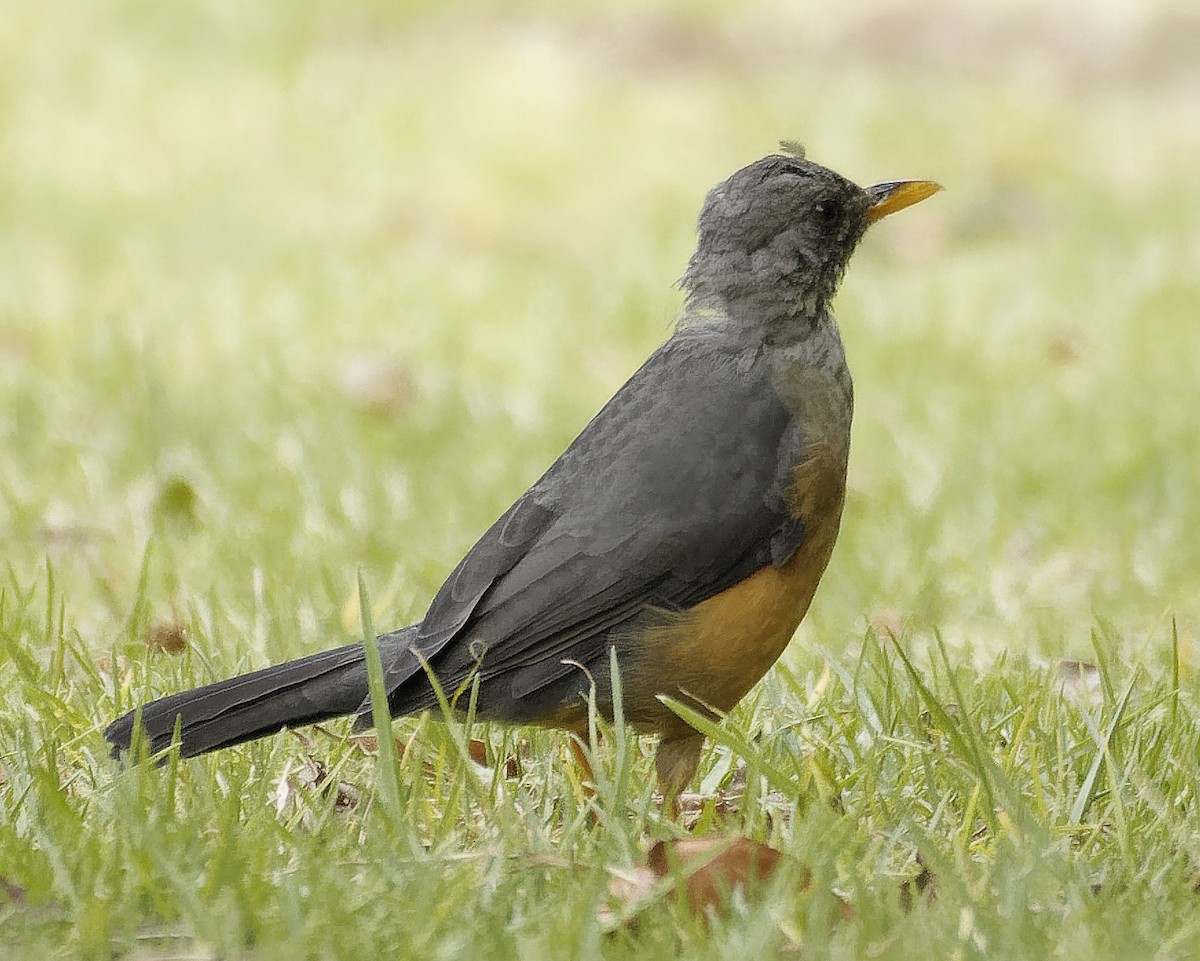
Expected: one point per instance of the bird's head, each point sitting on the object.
(776, 236)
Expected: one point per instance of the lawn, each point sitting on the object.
(291, 293)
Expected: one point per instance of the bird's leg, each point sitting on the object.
(675, 764)
(587, 777)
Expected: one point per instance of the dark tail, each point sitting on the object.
(304, 691)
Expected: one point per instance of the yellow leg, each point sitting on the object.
(587, 776)
(675, 764)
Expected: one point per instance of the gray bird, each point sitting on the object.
(685, 528)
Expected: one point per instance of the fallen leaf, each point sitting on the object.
(369, 744)
(170, 637)
(478, 750)
(708, 871)
(714, 867)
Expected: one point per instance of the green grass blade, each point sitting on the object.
(1087, 789)
(380, 713)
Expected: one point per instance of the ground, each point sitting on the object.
(294, 291)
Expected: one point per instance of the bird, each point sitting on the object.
(681, 535)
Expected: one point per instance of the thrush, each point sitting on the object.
(684, 530)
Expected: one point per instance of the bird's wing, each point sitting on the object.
(674, 492)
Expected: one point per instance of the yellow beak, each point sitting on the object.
(890, 197)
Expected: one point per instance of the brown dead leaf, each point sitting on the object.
(715, 866)
(170, 637)
(708, 871)
(369, 744)
(478, 750)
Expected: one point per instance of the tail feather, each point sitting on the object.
(305, 691)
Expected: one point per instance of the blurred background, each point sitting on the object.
(290, 288)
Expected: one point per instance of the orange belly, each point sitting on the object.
(713, 654)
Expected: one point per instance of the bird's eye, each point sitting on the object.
(828, 211)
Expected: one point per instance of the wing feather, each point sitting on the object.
(674, 492)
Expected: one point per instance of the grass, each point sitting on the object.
(297, 291)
